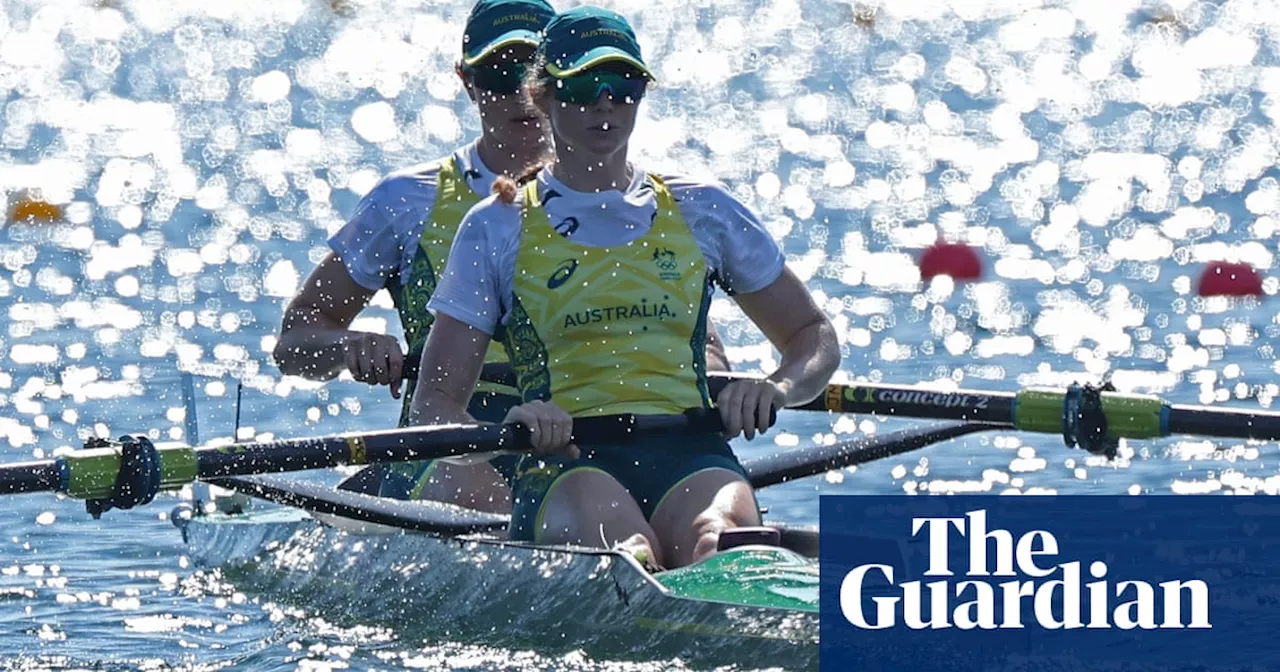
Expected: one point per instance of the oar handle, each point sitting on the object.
(612, 428)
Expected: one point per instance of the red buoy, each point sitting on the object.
(960, 262)
(1225, 278)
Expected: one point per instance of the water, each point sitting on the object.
(1097, 153)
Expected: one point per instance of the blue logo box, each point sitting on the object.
(1050, 583)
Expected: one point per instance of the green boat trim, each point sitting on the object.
(765, 576)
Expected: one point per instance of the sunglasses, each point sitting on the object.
(623, 86)
(502, 77)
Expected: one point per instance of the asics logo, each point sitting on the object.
(567, 227)
(562, 273)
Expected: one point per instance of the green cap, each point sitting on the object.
(495, 24)
(586, 36)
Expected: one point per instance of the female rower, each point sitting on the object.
(399, 238)
(599, 276)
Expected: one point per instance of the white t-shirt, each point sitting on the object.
(476, 286)
(381, 238)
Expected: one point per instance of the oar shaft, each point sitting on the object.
(1132, 416)
(29, 477)
(92, 473)
(1223, 422)
(1041, 410)
(792, 464)
(402, 445)
(916, 402)
(424, 443)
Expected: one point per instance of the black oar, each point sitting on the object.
(1091, 417)
(445, 519)
(796, 463)
(93, 473)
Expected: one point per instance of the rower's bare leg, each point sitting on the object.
(586, 507)
(474, 486)
(691, 517)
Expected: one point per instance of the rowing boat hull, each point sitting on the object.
(756, 604)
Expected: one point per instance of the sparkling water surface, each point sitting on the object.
(1097, 154)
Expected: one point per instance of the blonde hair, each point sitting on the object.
(537, 85)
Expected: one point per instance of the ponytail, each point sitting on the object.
(507, 188)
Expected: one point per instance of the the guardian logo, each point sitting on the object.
(1041, 588)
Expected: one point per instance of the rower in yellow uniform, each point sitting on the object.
(399, 239)
(598, 277)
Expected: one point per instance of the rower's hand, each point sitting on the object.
(550, 427)
(375, 359)
(746, 406)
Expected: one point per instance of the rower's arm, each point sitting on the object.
(786, 313)
(451, 363)
(314, 330)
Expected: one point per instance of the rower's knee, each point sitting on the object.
(642, 548)
(707, 528)
(587, 507)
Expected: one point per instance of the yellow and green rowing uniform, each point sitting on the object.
(490, 403)
(605, 330)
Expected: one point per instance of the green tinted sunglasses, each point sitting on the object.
(586, 88)
(502, 77)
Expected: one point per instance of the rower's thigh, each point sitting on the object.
(689, 519)
(588, 507)
(475, 486)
